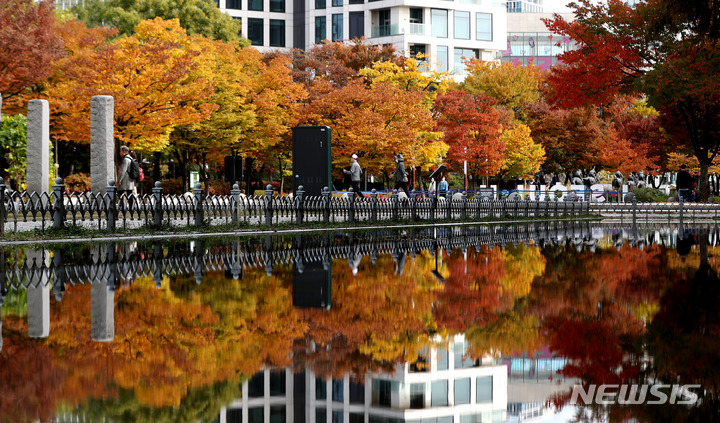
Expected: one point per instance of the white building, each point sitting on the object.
(528, 39)
(442, 31)
(447, 388)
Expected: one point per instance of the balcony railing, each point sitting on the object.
(388, 30)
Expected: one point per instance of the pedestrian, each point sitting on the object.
(355, 172)
(431, 187)
(125, 183)
(401, 179)
(443, 188)
(684, 184)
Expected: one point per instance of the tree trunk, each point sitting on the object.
(703, 188)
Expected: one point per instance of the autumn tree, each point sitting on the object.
(471, 127)
(158, 77)
(523, 156)
(201, 17)
(28, 45)
(511, 85)
(668, 56)
(376, 114)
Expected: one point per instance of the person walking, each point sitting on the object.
(125, 183)
(401, 179)
(355, 172)
(684, 184)
(431, 188)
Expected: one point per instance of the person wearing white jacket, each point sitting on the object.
(355, 172)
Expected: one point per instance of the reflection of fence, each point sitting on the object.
(107, 210)
(117, 261)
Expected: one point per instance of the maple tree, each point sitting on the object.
(158, 78)
(28, 45)
(196, 16)
(523, 157)
(471, 127)
(512, 85)
(668, 56)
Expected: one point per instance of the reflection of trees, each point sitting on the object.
(375, 320)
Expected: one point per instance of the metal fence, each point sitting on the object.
(109, 210)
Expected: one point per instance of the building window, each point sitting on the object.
(337, 390)
(277, 33)
(460, 349)
(337, 2)
(381, 392)
(337, 27)
(442, 353)
(484, 392)
(239, 21)
(278, 414)
(439, 23)
(320, 389)
(423, 363)
(233, 4)
(416, 15)
(439, 393)
(319, 4)
(255, 31)
(320, 415)
(357, 25)
(462, 391)
(255, 5)
(320, 29)
(256, 415)
(417, 395)
(357, 391)
(483, 24)
(356, 1)
(256, 385)
(442, 66)
(462, 25)
(277, 6)
(277, 382)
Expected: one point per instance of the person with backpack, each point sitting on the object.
(129, 172)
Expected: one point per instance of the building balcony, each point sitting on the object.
(389, 30)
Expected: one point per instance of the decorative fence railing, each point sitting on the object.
(121, 260)
(110, 209)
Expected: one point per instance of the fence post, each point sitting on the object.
(111, 191)
(157, 192)
(464, 205)
(235, 204)
(268, 204)
(326, 204)
(59, 209)
(3, 209)
(394, 202)
(413, 205)
(300, 205)
(199, 211)
(373, 205)
(351, 204)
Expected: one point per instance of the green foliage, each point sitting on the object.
(196, 16)
(13, 142)
(645, 195)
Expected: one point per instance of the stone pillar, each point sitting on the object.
(38, 146)
(38, 293)
(102, 144)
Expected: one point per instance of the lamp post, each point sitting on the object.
(465, 170)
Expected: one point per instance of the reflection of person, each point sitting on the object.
(125, 184)
(401, 179)
(684, 245)
(354, 173)
(684, 184)
(443, 187)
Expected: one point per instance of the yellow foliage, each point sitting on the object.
(523, 157)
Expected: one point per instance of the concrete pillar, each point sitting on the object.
(38, 146)
(38, 293)
(102, 143)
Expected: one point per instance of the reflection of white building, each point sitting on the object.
(445, 387)
(531, 382)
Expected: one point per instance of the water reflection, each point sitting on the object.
(438, 325)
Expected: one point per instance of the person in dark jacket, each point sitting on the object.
(684, 184)
(401, 179)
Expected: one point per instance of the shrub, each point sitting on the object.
(77, 182)
(650, 195)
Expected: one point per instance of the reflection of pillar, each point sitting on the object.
(102, 311)
(102, 293)
(58, 281)
(199, 264)
(268, 256)
(38, 294)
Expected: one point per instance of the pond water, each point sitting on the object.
(436, 325)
